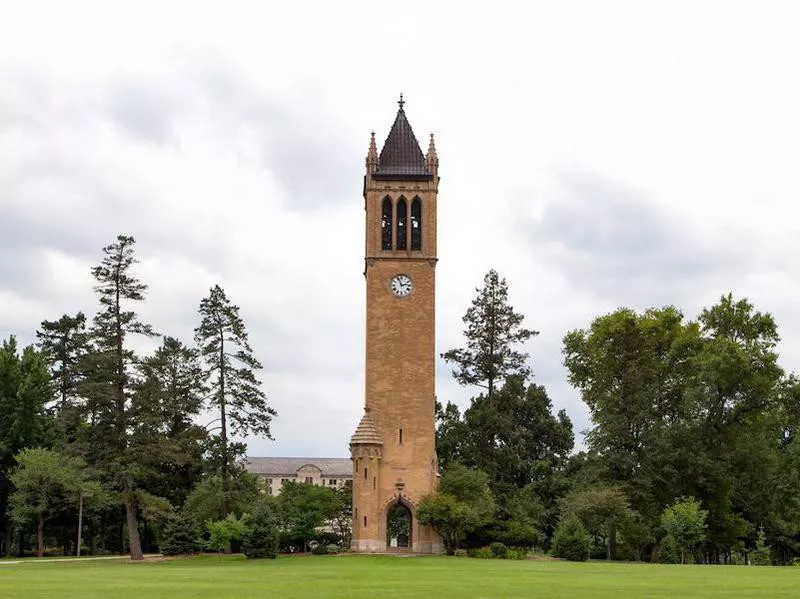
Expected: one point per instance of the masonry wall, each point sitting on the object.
(400, 373)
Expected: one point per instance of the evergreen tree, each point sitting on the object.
(66, 343)
(260, 538)
(167, 398)
(111, 379)
(181, 536)
(230, 367)
(493, 330)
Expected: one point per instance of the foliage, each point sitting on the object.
(66, 343)
(44, 482)
(342, 519)
(302, 509)
(230, 375)
(516, 440)
(571, 541)
(25, 390)
(685, 522)
(205, 502)
(448, 516)
(462, 504)
(111, 377)
(669, 551)
(499, 549)
(181, 536)
(260, 539)
(691, 408)
(603, 510)
(761, 555)
(493, 330)
(222, 532)
(165, 441)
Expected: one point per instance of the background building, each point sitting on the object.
(327, 472)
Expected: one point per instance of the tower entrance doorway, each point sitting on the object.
(398, 527)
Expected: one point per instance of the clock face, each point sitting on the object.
(401, 285)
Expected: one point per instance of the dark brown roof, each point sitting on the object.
(401, 155)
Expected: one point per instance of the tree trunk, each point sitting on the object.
(40, 536)
(7, 541)
(134, 541)
(611, 550)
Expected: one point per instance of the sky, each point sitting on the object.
(597, 154)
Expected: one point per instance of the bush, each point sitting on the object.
(333, 548)
(260, 538)
(570, 541)
(481, 553)
(499, 550)
(516, 553)
(181, 536)
(319, 549)
(669, 551)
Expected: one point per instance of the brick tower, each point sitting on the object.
(393, 448)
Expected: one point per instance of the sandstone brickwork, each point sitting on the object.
(393, 450)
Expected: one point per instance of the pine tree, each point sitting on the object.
(493, 329)
(111, 380)
(230, 370)
(167, 398)
(66, 343)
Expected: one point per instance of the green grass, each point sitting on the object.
(386, 577)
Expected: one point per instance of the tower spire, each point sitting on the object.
(400, 102)
(372, 154)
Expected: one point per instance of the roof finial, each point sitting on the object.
(400, 102)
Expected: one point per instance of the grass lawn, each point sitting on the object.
(386, 577)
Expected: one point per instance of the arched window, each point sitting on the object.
(402, 236)
(416, 225)
(386, 224)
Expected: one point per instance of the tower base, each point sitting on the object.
(376, 546)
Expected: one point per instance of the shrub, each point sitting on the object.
(669, 551)
(333, 548)
(222, 532)
(570, 541)
(516, 553)
(499, 550)
(181, 536)
(260, 539)
(319, 549)
(481, 553)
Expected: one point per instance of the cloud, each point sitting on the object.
(615, 241)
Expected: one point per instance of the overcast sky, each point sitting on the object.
(597, 154)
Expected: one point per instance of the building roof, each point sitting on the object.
(401, 154)
(290, 466)
(366, 432)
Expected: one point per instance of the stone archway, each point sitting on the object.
(398, 526)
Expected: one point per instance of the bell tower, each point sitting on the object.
(393, 448)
